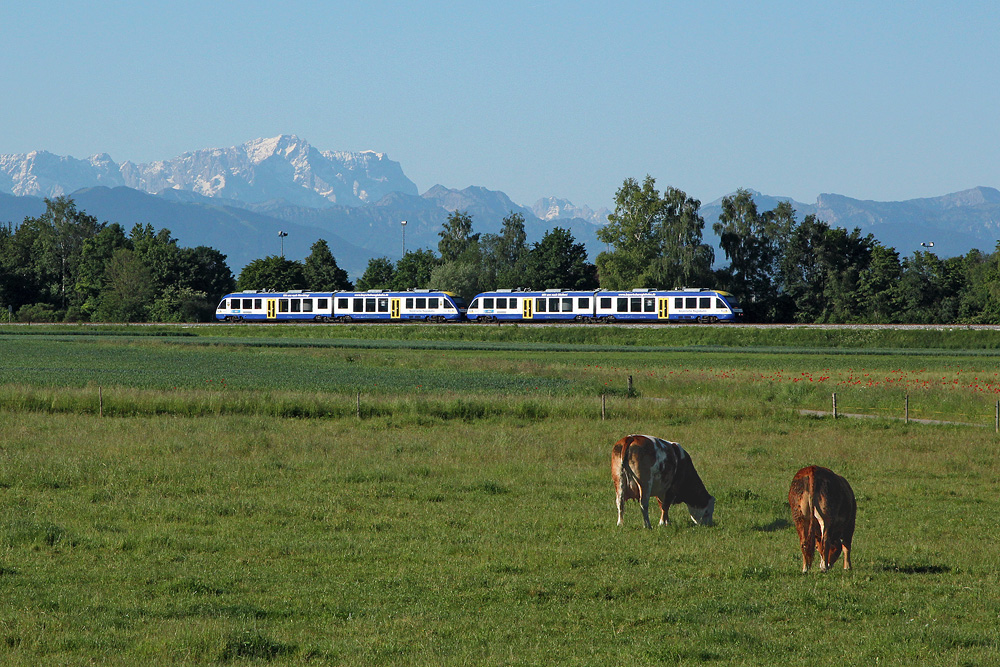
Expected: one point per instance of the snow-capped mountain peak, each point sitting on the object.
(277, 168)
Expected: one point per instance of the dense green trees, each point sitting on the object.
(65, 265)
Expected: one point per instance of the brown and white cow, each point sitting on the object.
(824, 510)
(643, 466)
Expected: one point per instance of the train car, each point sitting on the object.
(418, 304)
(686, 305)
(251, 305)
(524, 305)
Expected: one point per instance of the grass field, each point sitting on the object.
(230, 507)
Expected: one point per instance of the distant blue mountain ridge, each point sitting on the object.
(238, 199)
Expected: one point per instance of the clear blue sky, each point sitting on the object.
(874, 100)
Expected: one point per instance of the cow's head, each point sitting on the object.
(703, 515)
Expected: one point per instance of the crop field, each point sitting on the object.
(442, 496)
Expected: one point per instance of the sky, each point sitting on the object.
(873, 100)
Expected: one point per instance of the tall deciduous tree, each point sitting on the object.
(504, 254)
(378, 275)
(753, 243)
(456, 237)
(657, 239)
(321, 271)
(273, 273)
(129, 289)
(414, 269)
(559, 261)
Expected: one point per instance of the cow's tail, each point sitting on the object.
(625, 474)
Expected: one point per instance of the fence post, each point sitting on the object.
(603, 407)
(906, 410)
(630, 386)
(100, 401)
(997, 420)
(834, 405)
(359, 405)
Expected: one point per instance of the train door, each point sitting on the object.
(272, 307)
(663, 308)
(394, 308)
(526, 311)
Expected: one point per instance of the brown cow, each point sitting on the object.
(823, 509)
(643, 466)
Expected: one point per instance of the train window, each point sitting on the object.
(636, 304)
(433, 302)
(691, 302)
(622, 305)
(247, 304)
(513, 303)
(648, 304)
(554, 305)
(606, 302)
(358, 306)
(322, 304)
(282, 305)
(567, 304)
(256, 304)
(296, 305)
(678, 302)
(502, 303)
(705, 302)
(421, 302)
(383, 305)
(370, 304)
(720, 304)
(475, 303)
(342, 304)
(409, 302)
(307, 305)
(487, 302)
(540, 305)
(583, 302)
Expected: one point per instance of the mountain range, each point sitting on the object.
(237, 199)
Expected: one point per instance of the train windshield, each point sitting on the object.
(459, 302)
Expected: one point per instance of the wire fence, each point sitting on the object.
(903, 413)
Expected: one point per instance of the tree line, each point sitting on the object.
(66, 266)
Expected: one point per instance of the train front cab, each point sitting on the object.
(251, 305)
(500, 305)
(704, 306)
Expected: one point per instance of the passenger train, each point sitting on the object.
(553, 305)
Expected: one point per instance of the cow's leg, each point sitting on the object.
(664, 509)
(644, 489)
(807, 538)
(847, 555)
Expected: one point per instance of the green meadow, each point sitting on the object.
(440, 495)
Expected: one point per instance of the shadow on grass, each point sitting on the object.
(913, 568)
(774, 526)
(253, 646)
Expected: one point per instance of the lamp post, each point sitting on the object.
(282, 235)
(402, 224)
(928, 244)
